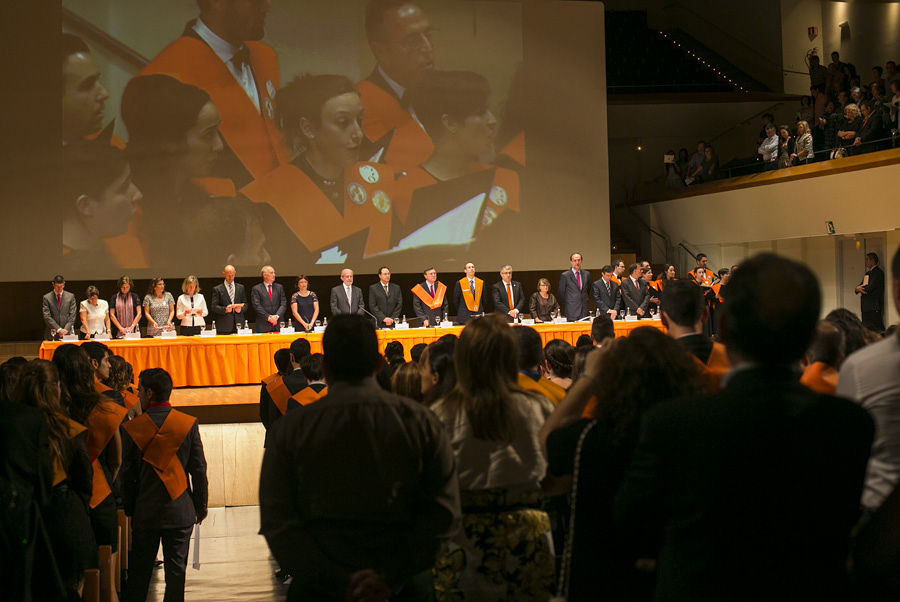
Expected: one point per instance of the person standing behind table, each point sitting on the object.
(346, 298)
(59, 308)
(165, 489)
(543, 305)
(871, 292)
(507, 295)
(574, 289)
(304, 305)
(268, 302)
(385, 300)
(191, 307)
(430, 300)
(359, 489)
(653, 291)
(228, 301)
(634, 292)
(159, 307)
(467, 295)
(94, 313)
(125, 309)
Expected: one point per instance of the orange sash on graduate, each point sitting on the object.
(703, 277)
(616, 280)
(431, 303)
(102, 424)
(160, 445)
(129, 398)
(278, 392)
(715, 289)
(409, 144)
(717, 365)
(308, 395)
(821, 378)
(74, 429)
(542, 386)
(472, 303)
(515, 149)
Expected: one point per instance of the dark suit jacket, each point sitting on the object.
(268, 412)
(264, 308)
(463, 315)
(433, 316)
(145, 496)
(575, 302)
(635, 298)
(339, 301)
(59, 317)
(501, 300)
(752, 492)
(606, 301)
(385, 305)
(873, 300)
(227, 323)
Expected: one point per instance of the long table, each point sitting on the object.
(233, 360)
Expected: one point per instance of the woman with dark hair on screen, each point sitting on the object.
(325, 201)
(67, 518)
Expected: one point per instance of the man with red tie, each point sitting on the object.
(467, 295)
(269, 302)
(60, 308)
(507, 295)
(220, 53)
(574, 289)
(430, 300)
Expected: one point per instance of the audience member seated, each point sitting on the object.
(602, 330)
(125, 309)
(393, 359)
(416, 352)
(407, 381)
(602, 563)
(531, 359)
(159, 308)
(543, 305)
(283, 364)
(583, 340)
(121, 380)
(277, 395)
(94, 314)
(823, 359)
(9, 376)
(711, 477)
(358, 491)
(437, 370)
(557, 363)
(493, 426)
(191, 308)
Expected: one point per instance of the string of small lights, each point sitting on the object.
(706, 64)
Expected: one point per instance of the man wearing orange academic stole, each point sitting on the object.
(467, 296)
(430, 300)
(164, 486)
(276, 395)
(220, 53)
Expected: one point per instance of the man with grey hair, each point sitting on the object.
(507, 295)
(346, 298)
(268, 301)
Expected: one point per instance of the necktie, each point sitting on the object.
(58, 301)
(509, 294)
(608, 289)
(230, 286)
(472, 287)
(269, 288)
(431, 289)
(386, 290)
(578, 279)
(349, 297)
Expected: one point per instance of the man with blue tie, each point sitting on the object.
(574, 289)
(268, 301)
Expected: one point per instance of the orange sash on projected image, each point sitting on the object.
(160, 446)
(431, 302)
(472, 302)
(102, 424)
(409, 144)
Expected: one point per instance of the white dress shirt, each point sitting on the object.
(95, 315)
(226, 51)
(769, 148)
(184, 303)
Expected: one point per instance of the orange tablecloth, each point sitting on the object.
(233, 360)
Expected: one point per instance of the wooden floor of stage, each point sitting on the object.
(219, 405)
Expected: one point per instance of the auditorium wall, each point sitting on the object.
(870, 37)
(797, 16)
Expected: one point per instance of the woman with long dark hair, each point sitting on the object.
(437, 370)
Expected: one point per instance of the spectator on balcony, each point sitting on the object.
(803, 147)
(695, 165)
(877, 77)
(769, 148)
(785, 146)
(828, 126)
(880, 104)
(890, 74)
(682, 161)
(843, 99)
(818, 74)
(674, 178)
(894, 103)
(806, 112)
(819, 101)
(856, 95)
(871, 132)
(767, 120)
(847, 130)
(710, 164)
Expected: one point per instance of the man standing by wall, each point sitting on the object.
(871, 291)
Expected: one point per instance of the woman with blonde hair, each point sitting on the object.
(191, 308)
(504, 550)
(803, 147)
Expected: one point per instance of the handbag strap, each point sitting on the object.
(562, 590)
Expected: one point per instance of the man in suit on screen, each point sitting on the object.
(60, 308)
(268, 302)
(507, 295)
(574, 289)
(346, 298)
(385, 300)
(228, 301)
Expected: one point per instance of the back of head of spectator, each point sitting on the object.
(416, 352)
(283, 364)
(299, 349)
(827, 345)
(558, 358)
(682, 308)
(602, 329)
(154, 386)
(772, 330)
(530, 350)
(38, 386)
(76, 381)
(583, 340)
(436, 365)
(578, 361)
(119, 377)
(351, 349)
(9, 375)
(98, 354)
(851, 326)
(312, 367)
(394, 354)
(407, 381)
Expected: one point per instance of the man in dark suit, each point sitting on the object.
(634, 292)
(162, 502)
(346, 298)
(574, 289)
(227, 303)
(468, 295)
(872, 128)
(606, 294)
(268, 301)
(385, 300)
(752, 492)
(277, 391)
(507, 295)
(871, 291)
(60, 308)
(430, 300)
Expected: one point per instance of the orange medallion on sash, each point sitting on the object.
(472, 301)
(102, 425)
(431, 302)
(308, 395)
(159, 447)
(278, 392)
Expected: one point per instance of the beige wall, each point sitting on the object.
(873, 33)
(796, 17)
